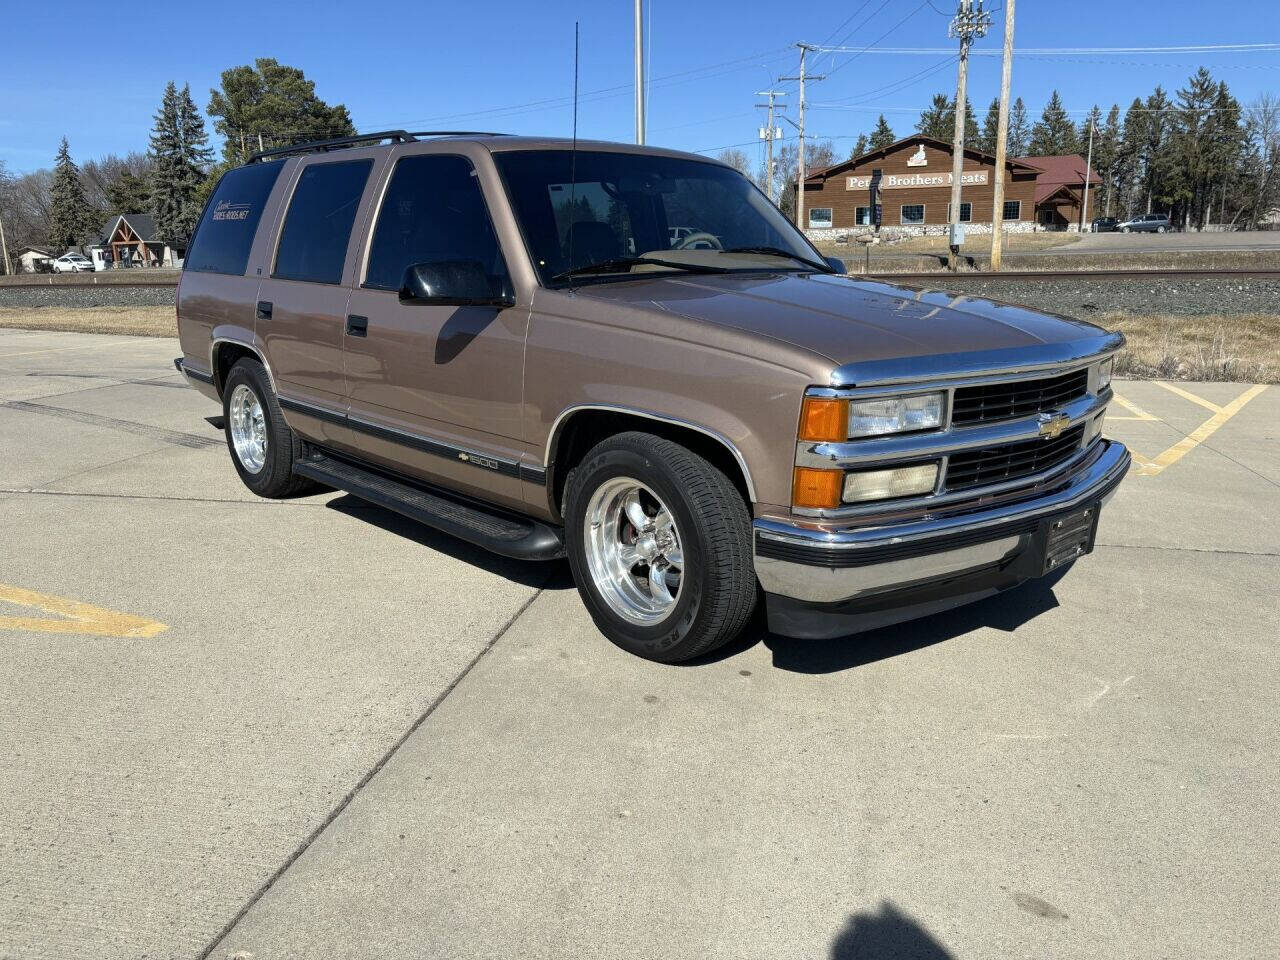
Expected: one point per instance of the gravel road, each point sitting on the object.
(99, 296)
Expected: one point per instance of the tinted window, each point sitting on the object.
(433, 210)
(313, 242)
(225, 233)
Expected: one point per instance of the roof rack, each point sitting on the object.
(395, 136)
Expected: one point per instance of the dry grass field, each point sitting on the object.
(132, 321)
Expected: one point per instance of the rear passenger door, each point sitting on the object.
(302, 304)
(436, 390)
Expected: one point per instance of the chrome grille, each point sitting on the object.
(1022, 398)
(1010, 461)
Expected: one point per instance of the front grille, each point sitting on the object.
(1024, 398)
(1010, 461)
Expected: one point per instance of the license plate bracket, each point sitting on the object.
(1069, 536)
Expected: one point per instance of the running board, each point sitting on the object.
(511, 536)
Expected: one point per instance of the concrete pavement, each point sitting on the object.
(358, 738)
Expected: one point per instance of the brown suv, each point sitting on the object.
(629, 356)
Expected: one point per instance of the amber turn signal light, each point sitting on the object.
(824, 418)
(817, 489)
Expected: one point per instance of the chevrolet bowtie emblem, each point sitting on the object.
(1052, 425)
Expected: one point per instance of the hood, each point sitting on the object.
(848, 321)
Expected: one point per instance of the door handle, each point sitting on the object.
(357, 326)
(264, 309)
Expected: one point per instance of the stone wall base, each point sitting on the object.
(888, 233)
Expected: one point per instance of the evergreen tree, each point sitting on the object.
(1106, 151)
(986, 142)
(882, 135)
(859, 147)
(1055, 134)
(128, 193)
(1019, 129)
(933, 120)
(1154, 160)
(1129, 155)
(274, 102)
(71, 219)
(179, 153)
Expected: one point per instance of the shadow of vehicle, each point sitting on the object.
(886, 934)
(1005, 611)
(548, 575)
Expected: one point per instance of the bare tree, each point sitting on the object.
(1262, 126)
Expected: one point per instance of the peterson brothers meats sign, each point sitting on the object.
(900, 181)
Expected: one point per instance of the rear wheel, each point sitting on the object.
(1124, 230)
(262, 446)
(659, 541)
(1159, 229)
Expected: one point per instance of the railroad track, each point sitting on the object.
(1011, 275)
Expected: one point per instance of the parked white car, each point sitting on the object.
(72, 263)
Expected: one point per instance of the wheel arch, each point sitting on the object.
(577, 429)
(223, 354)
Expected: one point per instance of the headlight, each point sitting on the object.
(886, 484)
(1104, 373)
(873, 418)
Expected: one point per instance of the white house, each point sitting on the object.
(28, 258)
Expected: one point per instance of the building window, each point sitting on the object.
(863, 217)
(1013, 209)
(912, 213)
(819, 217)
(966, 212)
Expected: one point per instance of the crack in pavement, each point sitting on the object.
(128, 426)
(373, 771)
(1140, 546)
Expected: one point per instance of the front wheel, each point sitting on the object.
(1124, 230)
(1159, 229)
(659, 541)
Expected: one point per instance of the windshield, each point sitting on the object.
(615, 208)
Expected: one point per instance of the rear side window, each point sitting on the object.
(433, 210)
(313, 242)
(225, 233)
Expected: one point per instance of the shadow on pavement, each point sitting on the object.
(1006, 611)
(886, 934)
(551, 575)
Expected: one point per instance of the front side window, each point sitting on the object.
(966, 212)
(1013, 210)
(597, 211)
(225, 234)
(913, 213)
(820, 216)
(317, 228)
(433, 210)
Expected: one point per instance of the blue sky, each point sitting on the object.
(98, 76)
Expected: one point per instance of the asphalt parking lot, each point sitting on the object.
(1261, 240)
(310, 729)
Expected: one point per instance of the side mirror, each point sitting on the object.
(458, 283)
(836, 264)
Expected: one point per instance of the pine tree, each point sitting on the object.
(1055, 134)
(986, 141)
(179, 152)
(883, 135)
(1154, 159)
(1129, 157)
(71, 219)
(933, 120)
(1106, 152)
(1019, 129)
(859, 147)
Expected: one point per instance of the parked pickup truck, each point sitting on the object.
(509, 339)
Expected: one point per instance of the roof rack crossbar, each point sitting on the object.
(457, 133)
(321, 146)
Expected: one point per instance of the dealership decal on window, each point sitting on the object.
(897, 181)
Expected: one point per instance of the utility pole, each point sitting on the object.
(769, 134)
(1002, 140)
(967, 25)
(1088, 168)
(640, 71)
(804, 49)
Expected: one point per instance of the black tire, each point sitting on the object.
(276, 479)
(717, 592)
(1124, 230)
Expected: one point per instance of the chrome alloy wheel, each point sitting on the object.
(633, 550)
(248, 428)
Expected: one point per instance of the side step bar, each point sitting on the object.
(511, 536)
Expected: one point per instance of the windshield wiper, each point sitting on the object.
(779, 252)
(619, 264)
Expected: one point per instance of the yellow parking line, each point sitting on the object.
(1186, 395)
(1137, 411)
(1147, 468)
(75, 617)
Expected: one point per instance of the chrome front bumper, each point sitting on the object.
(824, 567)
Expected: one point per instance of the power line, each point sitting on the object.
(1067, 51)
